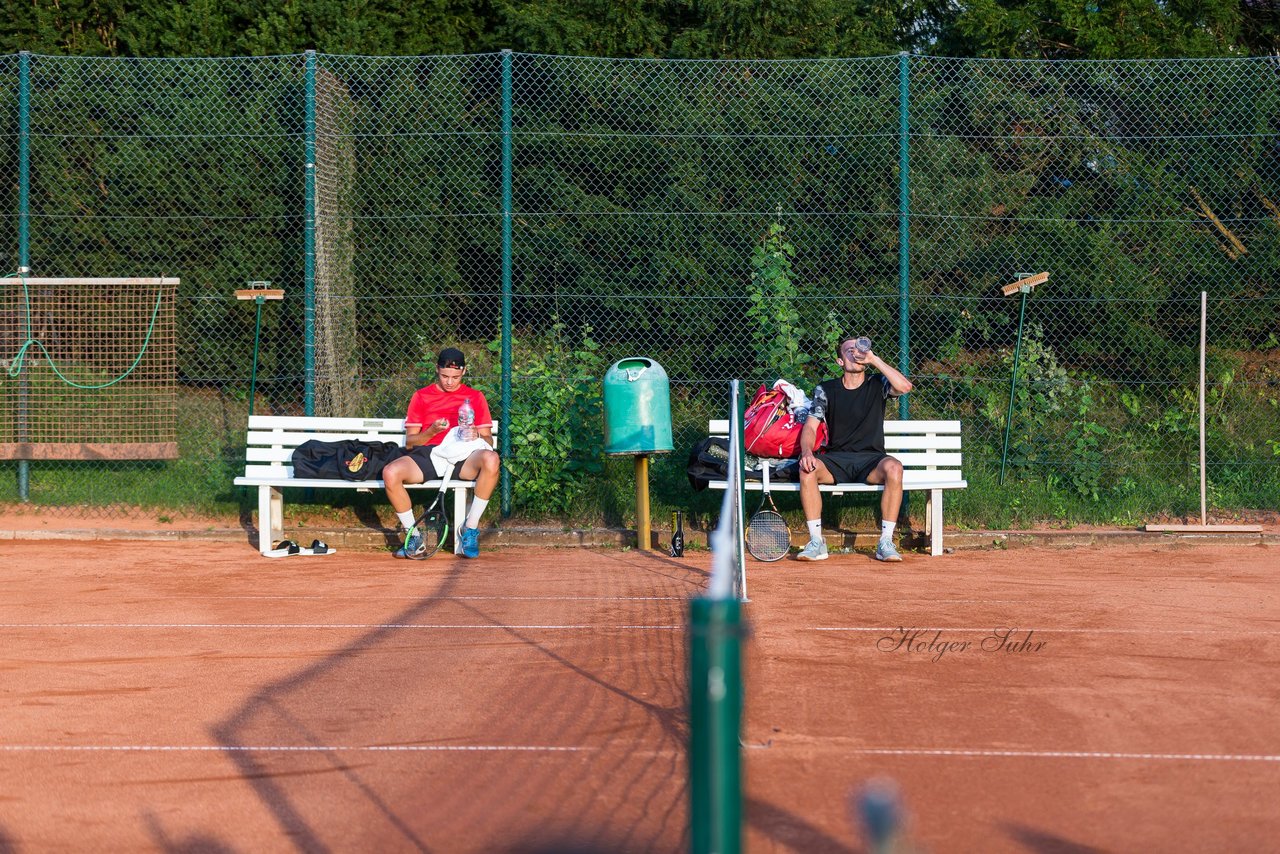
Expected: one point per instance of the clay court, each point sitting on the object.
(197, 697)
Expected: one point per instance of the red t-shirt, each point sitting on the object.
(433, 402)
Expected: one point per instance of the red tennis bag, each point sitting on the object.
(769, 428)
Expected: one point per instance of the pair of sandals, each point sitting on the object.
(288, 547)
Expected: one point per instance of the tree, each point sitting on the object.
(1116, 29)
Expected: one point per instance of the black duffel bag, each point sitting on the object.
(348, 459)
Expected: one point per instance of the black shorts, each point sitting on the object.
(851, 466)
(422, 456)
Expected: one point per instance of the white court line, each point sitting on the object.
(989, 629)
(269, 748)
(340, 596)
(1057, 754)
(463, 598)
(581, 627)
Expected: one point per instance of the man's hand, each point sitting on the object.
(439, 426)
(807, 462)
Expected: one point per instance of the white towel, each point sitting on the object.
(453, 450)
(798, 401)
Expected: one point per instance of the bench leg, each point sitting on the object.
(459, 517)
(928, 514)
(270, 517)
(935, 522)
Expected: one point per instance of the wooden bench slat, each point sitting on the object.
(926, 442)
(274, 476)
(296, 436)
(293, 440)
(948, 480)
(914, 460)
(720, 426)
(305, 423)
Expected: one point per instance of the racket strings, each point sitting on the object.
(433, 529)
(768, 538)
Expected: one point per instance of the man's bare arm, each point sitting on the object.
(899, 383)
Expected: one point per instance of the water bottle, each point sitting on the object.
(863, 347)
(466, 421)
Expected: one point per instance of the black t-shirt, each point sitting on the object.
(854, 417)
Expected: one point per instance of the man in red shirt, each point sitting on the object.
(433, 412)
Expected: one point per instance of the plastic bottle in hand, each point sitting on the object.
(862, 347)
(466, 421)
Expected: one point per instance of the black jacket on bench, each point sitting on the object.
(349, 459)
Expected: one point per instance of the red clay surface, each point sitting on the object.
(176, 697)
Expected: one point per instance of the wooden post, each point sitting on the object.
(642, 502)
(1204, 526)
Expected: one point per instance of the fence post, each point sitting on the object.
(504, 429)
(904, 221)
(309, 244)
(24, 242)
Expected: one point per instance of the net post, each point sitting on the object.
(715, 761)
(738, 430)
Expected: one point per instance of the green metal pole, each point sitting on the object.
(740, 546)
(904, 221)
(24, 243)
(504, 429)
(309, 245)
(715, 715)
(1013, 381)
(253, 374)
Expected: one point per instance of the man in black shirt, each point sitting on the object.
(852, 405)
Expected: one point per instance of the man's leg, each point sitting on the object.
(482, 467)
(889, 472)
(811, 501)
(395, 475)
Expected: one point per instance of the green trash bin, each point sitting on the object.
(637, 408)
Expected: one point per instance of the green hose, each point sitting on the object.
(16, 367)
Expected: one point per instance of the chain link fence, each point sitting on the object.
(641, 194)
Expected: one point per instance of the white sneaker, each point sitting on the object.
(815, 550)
(886, 551)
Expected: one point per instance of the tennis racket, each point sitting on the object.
(768, 538)
(433, 524)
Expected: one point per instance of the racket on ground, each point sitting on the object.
(768, 538)
(433, 524)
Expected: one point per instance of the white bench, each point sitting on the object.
(930, 456)
(269, 454)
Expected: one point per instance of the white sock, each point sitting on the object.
(477, 507)
(406, 519)
(886, 531)
(815, 529)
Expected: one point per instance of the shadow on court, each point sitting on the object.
(493, 710)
